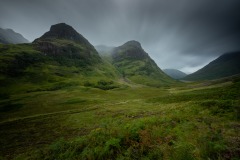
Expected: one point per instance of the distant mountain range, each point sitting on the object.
(63, 57)
(8, 36)
(226, 65)
(174, 73)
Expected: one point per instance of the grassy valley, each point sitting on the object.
(59, 99)
(195, 121)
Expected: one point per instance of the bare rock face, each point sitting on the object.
(69, 51)
(64, 31)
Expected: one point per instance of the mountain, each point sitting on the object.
(224, 66)
(8, 36)
(63, 31)
(63, 58)
(60, 58)
(62, 41)
(174, 73)
(136, 65)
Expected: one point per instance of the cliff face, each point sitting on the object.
(64, 31)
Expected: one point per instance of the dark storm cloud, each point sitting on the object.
(182, 34)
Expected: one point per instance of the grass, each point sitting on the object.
(23, 69)
(77, 122)
(52, 110)
(224, 66)
(143, 71)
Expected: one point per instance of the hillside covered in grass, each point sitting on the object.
(224, 66)
(62, 57)
(136, 65)
(54, 61)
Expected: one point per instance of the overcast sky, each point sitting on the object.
(180, 34)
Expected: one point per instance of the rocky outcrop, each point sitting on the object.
(68, 50)
(63, 31)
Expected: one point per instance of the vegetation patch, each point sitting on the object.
(75, 101)
(102, 84)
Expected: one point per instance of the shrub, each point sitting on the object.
(212, 146)
(105, 85)
(88, 84)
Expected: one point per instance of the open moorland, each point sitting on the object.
(191, 121)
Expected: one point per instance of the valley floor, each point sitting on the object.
(193, 121)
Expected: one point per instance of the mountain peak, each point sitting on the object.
(133, 43)
(131, 49)
(61, 26)
(63, 31)
(63, 40)
(137, 66)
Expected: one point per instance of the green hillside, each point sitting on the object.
(62, 57)
(137, 66)
(52, 63)
(226, 65)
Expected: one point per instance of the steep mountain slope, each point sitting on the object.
(8, 36)
(60, 58)
(64, 43)
(225, 65)
(174, 73)
(136, 65)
